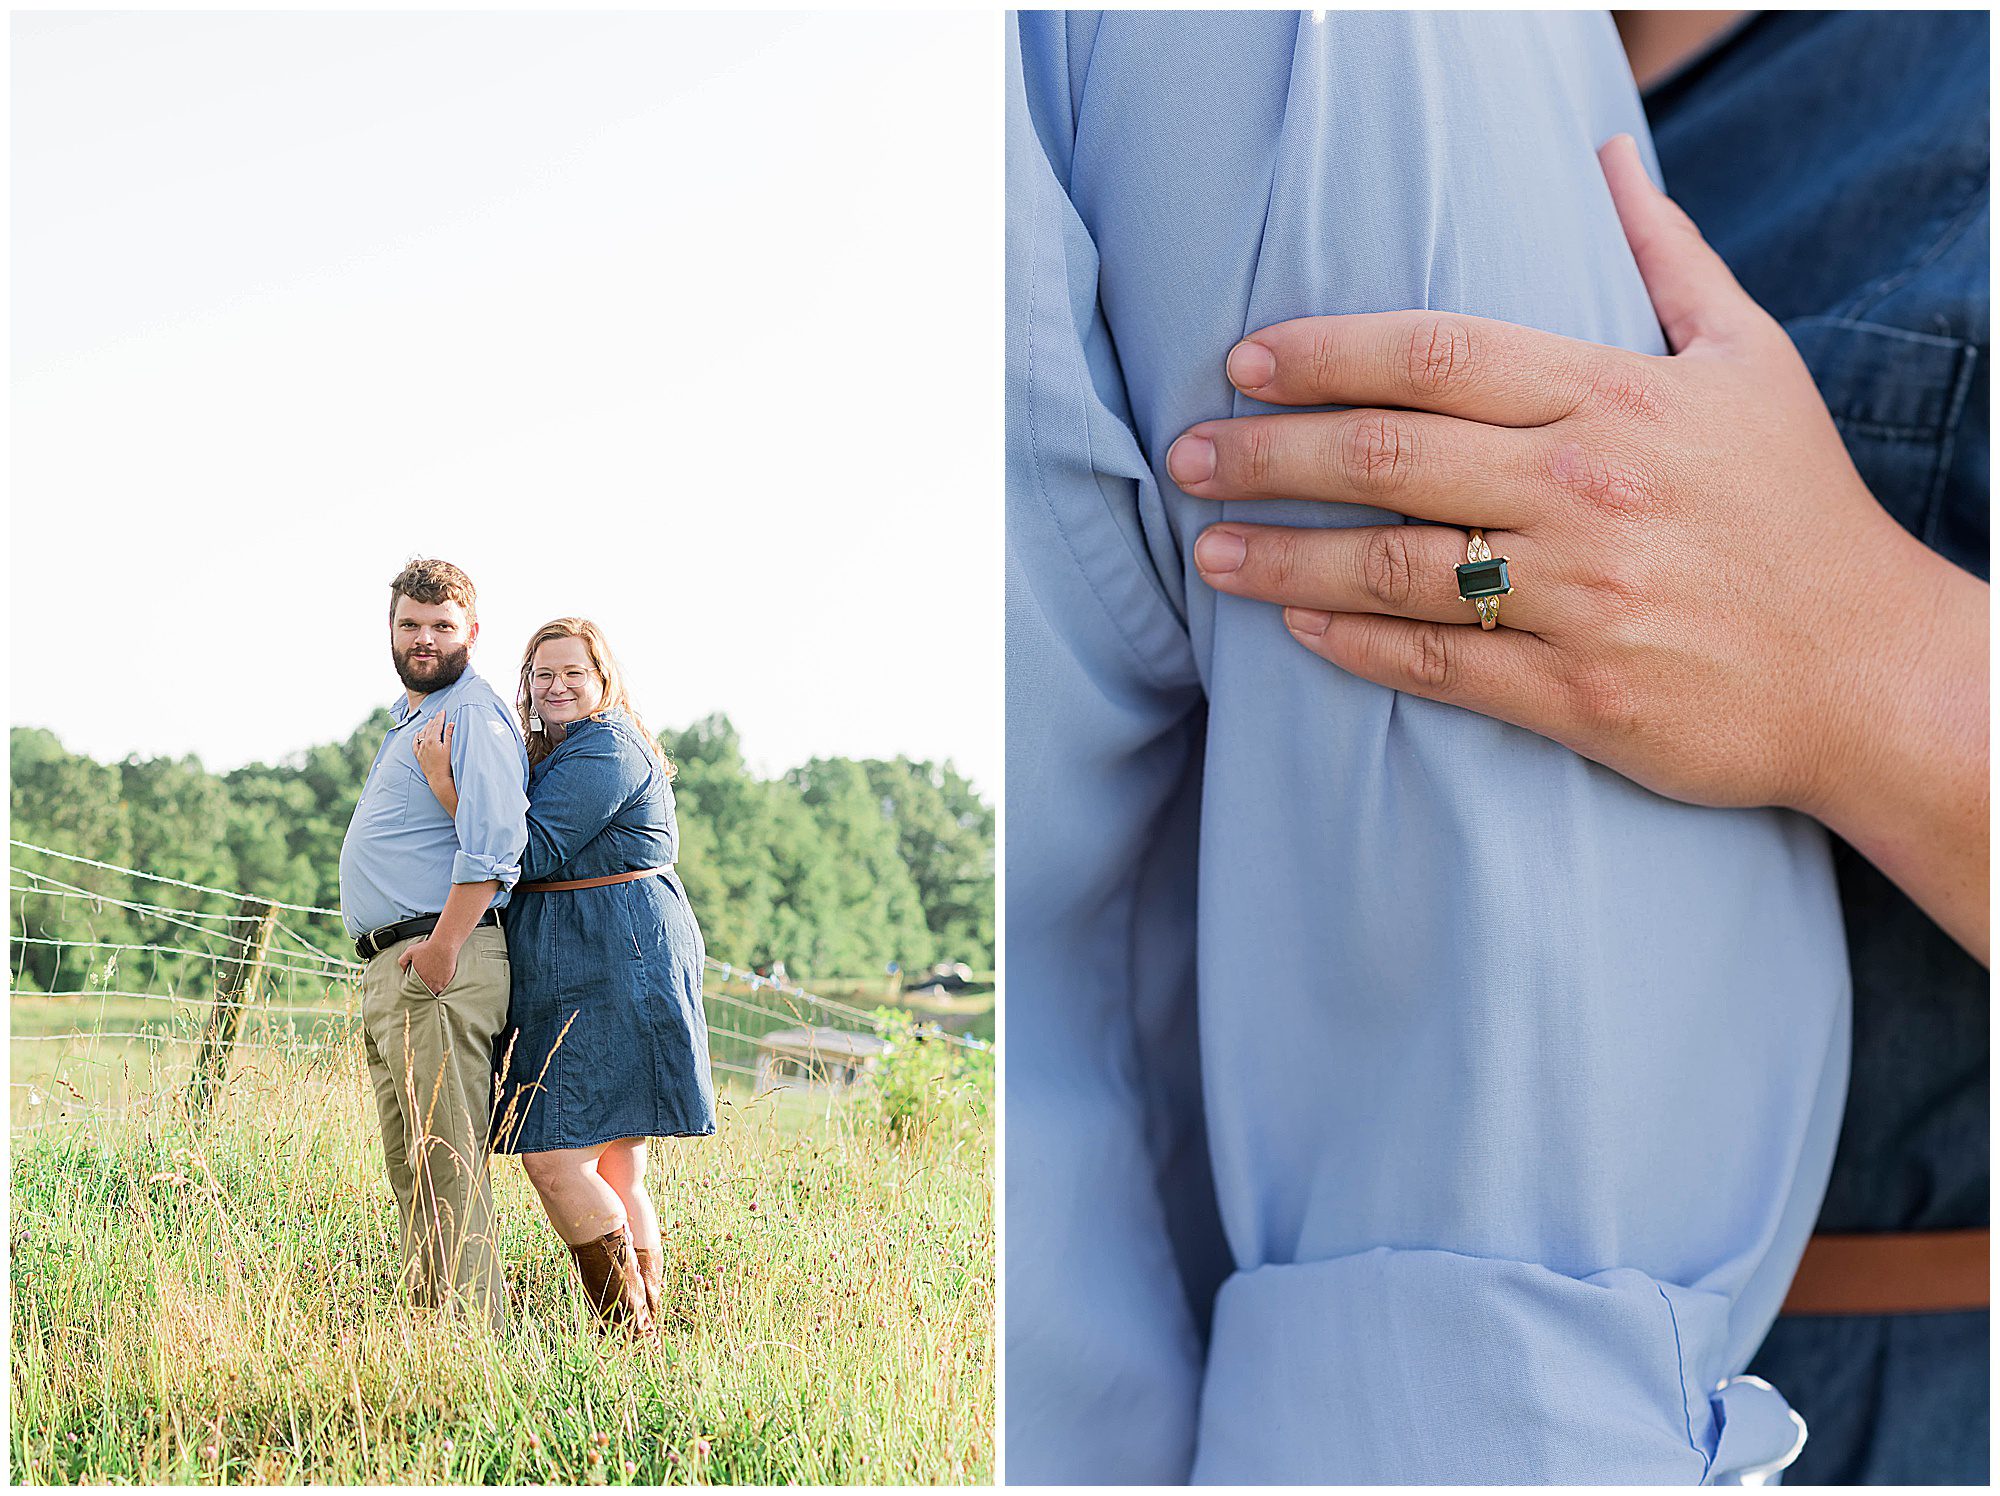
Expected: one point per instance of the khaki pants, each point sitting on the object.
(430, 1060)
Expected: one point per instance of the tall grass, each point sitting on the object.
(217, 1304)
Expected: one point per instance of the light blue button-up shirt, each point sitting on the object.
(1392, 1095)
(402, 852)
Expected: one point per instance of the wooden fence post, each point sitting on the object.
(233, 986)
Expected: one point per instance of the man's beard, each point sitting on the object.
(442, 669)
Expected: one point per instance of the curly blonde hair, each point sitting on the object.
(616, 696)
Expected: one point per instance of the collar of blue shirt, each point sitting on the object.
(403, 711)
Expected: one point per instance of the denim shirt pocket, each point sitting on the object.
(1897, 398)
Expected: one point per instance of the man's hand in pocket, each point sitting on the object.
(434, 963)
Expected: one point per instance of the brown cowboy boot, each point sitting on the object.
(611, 1281)
(649, 1276)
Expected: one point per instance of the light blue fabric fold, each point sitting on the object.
(1392, 1094)
(402, 853)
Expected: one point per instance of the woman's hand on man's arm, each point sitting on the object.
(432, 746)
(1706, 596)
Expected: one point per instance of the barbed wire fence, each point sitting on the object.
(177, 983)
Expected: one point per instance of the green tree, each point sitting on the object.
(273, 825)
(945, 835)
(59, 799)
(878, 911)
(62, 800)
(836, 868)
(725, 858)
(180, 820)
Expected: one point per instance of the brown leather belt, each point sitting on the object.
(644, 872)
(1892, 1272)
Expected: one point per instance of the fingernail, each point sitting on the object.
(1191, 459)
(1218, 552)
(1630, 145)
(1251, 366)
(1308, 621)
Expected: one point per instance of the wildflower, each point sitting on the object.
(631, 1468)
(446, 1446)
(594, 1458)
(701, 1447)
(535, 1442)
(600, 1439)
(209, 1452)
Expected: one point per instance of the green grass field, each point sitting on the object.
(217, 1305)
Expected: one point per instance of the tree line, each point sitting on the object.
(837, 868)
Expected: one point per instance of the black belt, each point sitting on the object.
(375, 942)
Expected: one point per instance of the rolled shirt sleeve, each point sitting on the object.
(1509, 1088)
(490, 772)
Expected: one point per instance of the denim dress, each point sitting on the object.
(605, 1036)
(1838, 162)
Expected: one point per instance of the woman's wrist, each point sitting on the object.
(444, 788)
(1894, 760)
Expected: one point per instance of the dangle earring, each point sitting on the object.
(534, 722)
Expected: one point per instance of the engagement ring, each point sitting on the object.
(1482, 579)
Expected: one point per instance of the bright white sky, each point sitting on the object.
(687, 323)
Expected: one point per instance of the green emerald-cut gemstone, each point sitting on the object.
(1483, 579)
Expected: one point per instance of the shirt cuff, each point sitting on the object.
(1429, 1367)
(470, 867)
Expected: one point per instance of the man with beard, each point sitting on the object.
(421, 891)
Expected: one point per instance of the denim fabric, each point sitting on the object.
(402, 853)
(1392, 1094)
(606, 1028)
(1839, 163)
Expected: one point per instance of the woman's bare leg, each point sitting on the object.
(581, 1205)
(622, 1167)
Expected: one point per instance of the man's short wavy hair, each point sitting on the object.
(434, 582)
